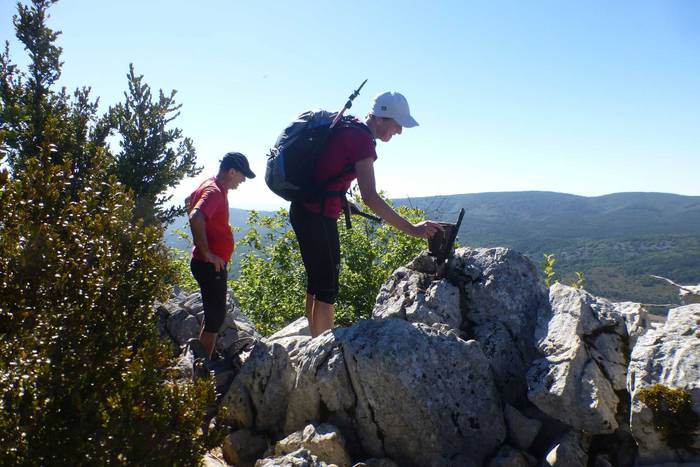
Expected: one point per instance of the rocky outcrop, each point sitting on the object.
(491, 295)
(323, 441)
(664, 383)
(180, 319)
(395, 390)
(582, 340)
(475, 363)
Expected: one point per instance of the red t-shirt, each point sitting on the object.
(347, 146)
(210, 198)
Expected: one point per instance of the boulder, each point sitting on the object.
(507, 456)
(257, 398)
(374, 462)
(582, 342)
(521, 429)
(503, 293)
(180, 319)
(293, 338)
(403, 391)
(243, 448)
(299, 458)
(417, 298)
(570, 451)
(664, 382)
(323, 441)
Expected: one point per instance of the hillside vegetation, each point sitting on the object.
(616, 240)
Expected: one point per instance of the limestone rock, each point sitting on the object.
(402, 392)
(242, 448)
(521, 429)
(374, 462)
(299, 458)
(510, 457)
(180, 319)
(581, 338)
(293, 338)
(667, 356)
(323, 441)
(257, 398)
(571, 451)
(415, 297)
(503, 294)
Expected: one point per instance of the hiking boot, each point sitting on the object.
(200, 361)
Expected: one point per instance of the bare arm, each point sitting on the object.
(198, 226)
(368, 190)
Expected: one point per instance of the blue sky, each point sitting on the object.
(582, 97)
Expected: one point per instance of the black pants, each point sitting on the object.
(213, 286)
(320, 250)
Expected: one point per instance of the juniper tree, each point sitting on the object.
(37, 121)
(84, 377)
(153, 157)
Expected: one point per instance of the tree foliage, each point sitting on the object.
(153, 157)
(83, 374)
(271, 287)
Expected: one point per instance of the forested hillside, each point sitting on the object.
(616, 240)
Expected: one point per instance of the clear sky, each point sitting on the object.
(584, 97)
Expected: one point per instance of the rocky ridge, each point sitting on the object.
(481, 365)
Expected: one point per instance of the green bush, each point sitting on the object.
(83, 374)
(271, 287)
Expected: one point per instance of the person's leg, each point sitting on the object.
(213, 288)
(322, 317)
(208, 340)
(303, 229)
(309, 306)
(320, 252)
(327, 284)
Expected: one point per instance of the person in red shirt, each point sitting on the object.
(349, 154)
(213, 241)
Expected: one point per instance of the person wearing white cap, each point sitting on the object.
(349, 154)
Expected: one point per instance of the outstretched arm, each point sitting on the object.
(365, 180)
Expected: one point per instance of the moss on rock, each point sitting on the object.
(673, 414)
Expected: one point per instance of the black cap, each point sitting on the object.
(236, 160)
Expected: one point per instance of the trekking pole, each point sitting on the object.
(348, 104)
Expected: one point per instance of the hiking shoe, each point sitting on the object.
(199, 358)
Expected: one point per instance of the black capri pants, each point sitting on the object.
(213, 286)
(320, 250)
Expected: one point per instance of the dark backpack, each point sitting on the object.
(292, 160)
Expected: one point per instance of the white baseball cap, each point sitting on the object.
(392, 104)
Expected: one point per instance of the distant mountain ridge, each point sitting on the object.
(616, 240)
(493, 216)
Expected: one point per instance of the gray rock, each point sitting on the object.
(180, 319)
(257, 398)
(323, 441)
(521, 429)
(667, 356)
(571, 451)
(293, 338)
(510, 457)
(212, 459)
(581, 338)
(242, 448)
(503, 293)
(373, 462)
(636, 319)
(411, 395)
(299, 458)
